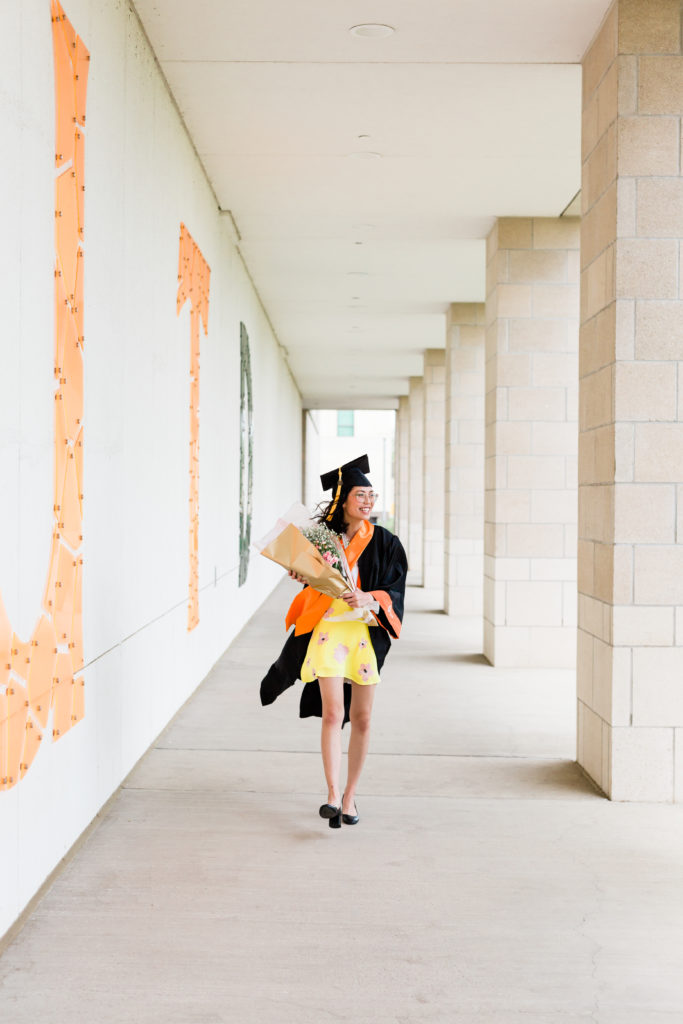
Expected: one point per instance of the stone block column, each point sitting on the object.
(630, 649)
(434, 468)
(415, 541)
(464, 512)
(532, 307)
(402, 460)
(310, 467)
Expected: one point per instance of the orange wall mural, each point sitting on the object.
(40, 675)
(193, 284)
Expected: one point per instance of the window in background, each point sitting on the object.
(345, 423)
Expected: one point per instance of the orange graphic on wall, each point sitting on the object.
(39, 676)
(193, 284)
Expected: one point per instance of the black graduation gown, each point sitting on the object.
(382, 565)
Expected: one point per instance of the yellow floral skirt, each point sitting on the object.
(340, 649)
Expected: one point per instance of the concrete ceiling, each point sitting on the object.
(474, 108)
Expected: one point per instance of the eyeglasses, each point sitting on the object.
(365, 497)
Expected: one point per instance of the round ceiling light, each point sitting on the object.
(371, 31)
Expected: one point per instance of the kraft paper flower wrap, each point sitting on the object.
(286, 545)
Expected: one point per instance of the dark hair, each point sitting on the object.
(337, 522)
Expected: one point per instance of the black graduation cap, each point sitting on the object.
(352, 473)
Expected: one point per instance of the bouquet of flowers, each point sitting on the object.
(311, 550)
(328, 544)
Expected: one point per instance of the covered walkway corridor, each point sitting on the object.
(488, 881)
(223, 223)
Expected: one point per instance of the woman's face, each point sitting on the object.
(359, 503)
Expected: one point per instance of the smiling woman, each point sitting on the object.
(339, 645)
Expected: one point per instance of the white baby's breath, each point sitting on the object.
(326, 541)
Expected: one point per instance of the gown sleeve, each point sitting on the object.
(390, 584)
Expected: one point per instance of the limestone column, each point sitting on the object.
(402, 484)
(415, 486)
(434, 468)
(532, 307)
(630, 651)
(310, 469)
(464, 512)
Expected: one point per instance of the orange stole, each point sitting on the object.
(309, 606)
(388, 609)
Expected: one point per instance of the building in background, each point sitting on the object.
(335, 436)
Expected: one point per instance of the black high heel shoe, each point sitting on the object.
(332, 813)
(337, 820)
(350, 819)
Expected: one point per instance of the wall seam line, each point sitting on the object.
(151, 622)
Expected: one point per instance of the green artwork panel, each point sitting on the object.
(246, 452)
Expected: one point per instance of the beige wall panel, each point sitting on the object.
(434, 468)
(531, 441)
(631, 444)
(402, 468)
(464, 460)
(414, 539)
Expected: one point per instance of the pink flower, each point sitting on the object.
(329, 558)
(365, 671)
(322, 638)
(340, 652)
(362, 644)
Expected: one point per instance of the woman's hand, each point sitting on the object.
(357, 598)
(294, 576)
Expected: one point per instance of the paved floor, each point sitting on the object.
(487, 882)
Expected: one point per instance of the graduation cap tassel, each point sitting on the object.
(335, 501)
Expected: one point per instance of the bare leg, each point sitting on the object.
(332, 693)
(361, 712)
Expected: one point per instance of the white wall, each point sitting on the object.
(142, 179)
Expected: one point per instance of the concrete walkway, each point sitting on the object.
(487, 882)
